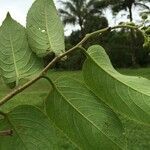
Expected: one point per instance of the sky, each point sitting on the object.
(19, 8)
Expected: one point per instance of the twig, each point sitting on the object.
(6, 133)
(44, 71)
(2, 114)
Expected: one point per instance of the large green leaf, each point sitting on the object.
(32, 130)
(128, 95)
(45, 30)
(87, 121)
(17, 61)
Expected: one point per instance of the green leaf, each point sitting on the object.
(128, 95)
(16, 59)
(45, 29)
(87, 121)
(31, 128)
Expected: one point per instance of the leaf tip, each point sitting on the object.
(8, 15)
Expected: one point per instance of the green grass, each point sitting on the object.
(144, 72)
(138, 135)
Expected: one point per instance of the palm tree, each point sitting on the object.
(118, 5)
(78, 12)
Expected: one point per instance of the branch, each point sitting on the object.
(143, 5)
(6, 133)
(2, 114)
(56, 59)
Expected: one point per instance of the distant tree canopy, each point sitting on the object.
(84, 13)
(127, 5)
(124, 47)
(117, 45)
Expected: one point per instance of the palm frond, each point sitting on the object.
(69, 20)
(144, 6)
(69, 6)
(63, 12)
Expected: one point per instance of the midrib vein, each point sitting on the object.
(14, 60)
(19, 136)
(46, 23)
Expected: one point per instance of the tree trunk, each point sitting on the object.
(132, 46)
(130, 13)
(81, 26)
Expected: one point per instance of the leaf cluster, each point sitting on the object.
(86, 114)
